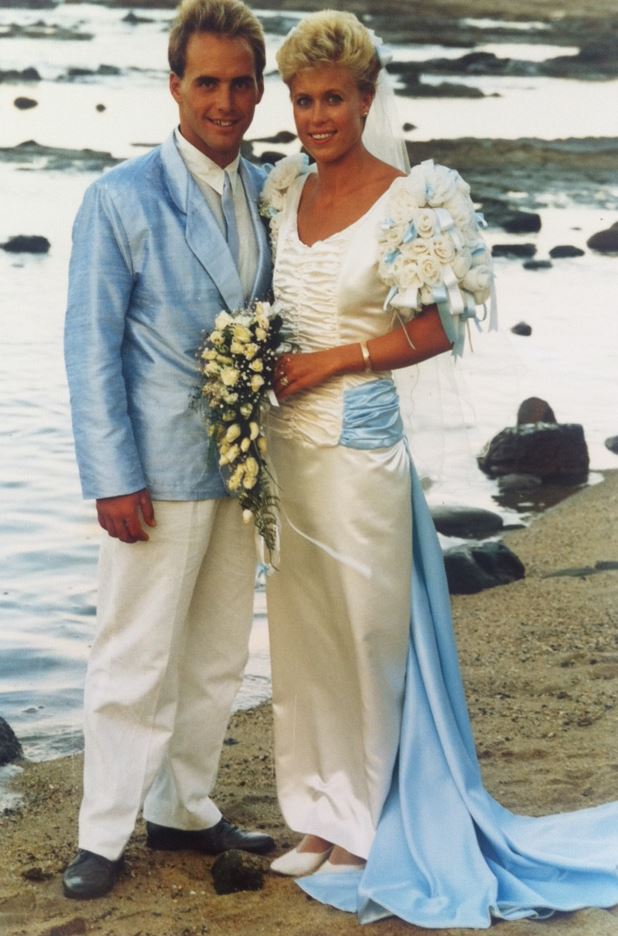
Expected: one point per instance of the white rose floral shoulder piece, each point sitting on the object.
(431, 250)
(275, 190)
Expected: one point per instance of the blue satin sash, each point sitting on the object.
(371, 417)
(445, 853)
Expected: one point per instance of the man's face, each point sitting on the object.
(217, 94)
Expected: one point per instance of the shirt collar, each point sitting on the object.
(202, 167)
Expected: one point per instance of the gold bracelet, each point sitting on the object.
(366, 356)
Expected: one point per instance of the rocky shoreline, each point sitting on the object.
(540, 663)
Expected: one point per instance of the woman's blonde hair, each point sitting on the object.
(333, 37)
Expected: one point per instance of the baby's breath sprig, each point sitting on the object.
(237, 362)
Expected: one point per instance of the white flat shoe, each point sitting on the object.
(329, 867)
(296, 863)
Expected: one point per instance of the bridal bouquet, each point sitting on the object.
(237, 362)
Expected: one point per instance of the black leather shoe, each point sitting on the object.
(89, 876)
(219, 838)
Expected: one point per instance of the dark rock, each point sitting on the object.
(10, 748)
(75, 927)
(612, 444)
(108, 70)
(35, 873)
(407, 127)
(555, 452)
(513, 250)
(26, 243)
(566, 250)
(538, 265)
(535, 410)
(471, 569)
(27, 74)
(134, 19)
(25, 103)
(283, 136)
(270, 156)
(236, 870)
(100, 108)
(519, 482)
(522, 222)
(522, 328)
(605, 241)
(57, 158)
(467, 522)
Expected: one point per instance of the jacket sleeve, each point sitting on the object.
(100, 287)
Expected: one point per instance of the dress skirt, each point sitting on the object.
(339, 609)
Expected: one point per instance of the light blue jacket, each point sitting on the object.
(150, 271)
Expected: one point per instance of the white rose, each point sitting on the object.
(426, 295)
(257, 366)
(462, 263)
(461, 210)
(236, 478)
(230, 398)
(286, 170)
(430, 271)
(478, 281)
(257, 381)
(254, 430)
(414, 250)
(232, 432)
(391, 235)
(247, 516)
(229, 376)
(425, 222)
(441, 185)
(249, 482)
(245, 410)
(223, 319)
(250, 350)
(241, 334)
(406, 272)
(212, 368)
(262, 445)
(416, 188)
(260, 334)
(245, 445)
(443, 249)
(251, 466)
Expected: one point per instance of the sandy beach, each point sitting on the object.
(540, 663)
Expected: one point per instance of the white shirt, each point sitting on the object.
(210, 178)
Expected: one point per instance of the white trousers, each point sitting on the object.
(174, 618)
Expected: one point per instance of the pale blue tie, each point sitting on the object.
(231, 229)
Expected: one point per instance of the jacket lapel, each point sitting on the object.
(202, 232)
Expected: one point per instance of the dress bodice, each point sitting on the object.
(329, 294)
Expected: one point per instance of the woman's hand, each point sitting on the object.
(295, 373)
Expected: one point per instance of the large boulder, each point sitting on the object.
(522, 328)
(522, 222)
(605, 241)
(551, 451)
(471, 569)
(10, 748)
(466, 522)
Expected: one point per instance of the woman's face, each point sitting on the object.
(329, 111)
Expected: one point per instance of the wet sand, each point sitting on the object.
(540, 663)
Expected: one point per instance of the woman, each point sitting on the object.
(376, 270)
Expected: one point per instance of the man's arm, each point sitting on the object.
(100, 286)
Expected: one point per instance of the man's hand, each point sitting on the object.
(122, 516)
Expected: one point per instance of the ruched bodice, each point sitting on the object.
(324, 307)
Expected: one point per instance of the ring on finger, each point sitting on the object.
(284, 381)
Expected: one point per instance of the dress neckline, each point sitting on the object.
(343, 230)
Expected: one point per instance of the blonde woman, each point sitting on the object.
(376, 269)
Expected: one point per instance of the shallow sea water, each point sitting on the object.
(49, 539)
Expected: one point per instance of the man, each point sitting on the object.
(161, 245)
